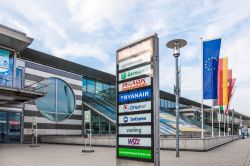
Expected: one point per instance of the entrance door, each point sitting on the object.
(3, 127)
(10, 127)
(14, 127)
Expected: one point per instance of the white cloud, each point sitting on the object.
(94, 15)
(190, 53)
(75, 50)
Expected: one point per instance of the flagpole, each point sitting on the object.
(224, 123)
(212, 122)
(232, 109)
(232, 122)
(229, 102)
(219, 120)
(202, 111)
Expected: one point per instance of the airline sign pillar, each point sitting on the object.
(138, 103)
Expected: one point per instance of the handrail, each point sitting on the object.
(18, 82)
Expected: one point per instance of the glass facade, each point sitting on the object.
(101, 125)
(59, 101)
(102, 97)
(168, 104)
(100, 92)
(95, 87)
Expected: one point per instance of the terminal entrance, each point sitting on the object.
(10, 127)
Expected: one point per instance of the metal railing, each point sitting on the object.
(20, 83)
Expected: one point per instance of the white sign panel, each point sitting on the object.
(137, 118)
(134, 130)
(146, 45)
(143, 58)
(133, 107)
(144, 70)
(135, 141)
(87, 116)
(138, 83)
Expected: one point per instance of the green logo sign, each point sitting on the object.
(123, 76)
(135, 153)
(135, 72)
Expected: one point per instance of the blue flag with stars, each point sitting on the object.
(211, 53)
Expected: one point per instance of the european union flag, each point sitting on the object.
(211, 52)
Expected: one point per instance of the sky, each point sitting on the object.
(89, 32)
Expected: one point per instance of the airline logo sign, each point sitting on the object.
(133, 107)
(143, 58)
(134, 130)
(131, 96)
(144, 70)
(138, 83)
(137, 118)
(135, 141)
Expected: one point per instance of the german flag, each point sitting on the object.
(223, 82)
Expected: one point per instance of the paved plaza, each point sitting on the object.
(232, 154)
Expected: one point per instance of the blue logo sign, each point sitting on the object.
(125, 119)
(141, 94)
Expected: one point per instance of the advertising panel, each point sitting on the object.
(144, 70)
(137, 48)
(143, 58)
(137, 80)
(134, 130)
(135, 153)
(4, 60)
(135, 141)
(138, 83)
(134, 107)
(137, 95)
(137, 118)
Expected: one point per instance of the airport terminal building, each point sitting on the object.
(57, 92)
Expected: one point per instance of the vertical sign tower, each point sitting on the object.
(138, 101)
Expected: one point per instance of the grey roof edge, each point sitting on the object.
(59, 63)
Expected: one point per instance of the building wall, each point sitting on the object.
(73, 125)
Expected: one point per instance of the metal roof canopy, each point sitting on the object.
(10, 95)
(13, 39)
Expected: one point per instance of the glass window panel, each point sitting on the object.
(84, 85)
(166, 103)
(99, 87)
(104, 126)
(47, 104)
(59, 101)
(163, 103)
(19, 77)
(112, 129)
(95, 119)
(90, 86)
(106, 88)
(65, 100)
(112, 90)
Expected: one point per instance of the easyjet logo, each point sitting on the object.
(134, 141)
(138, 83)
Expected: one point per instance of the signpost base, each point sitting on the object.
(34, 146)
(123, 162)
(88, 150)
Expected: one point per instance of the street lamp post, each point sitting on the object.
(176, 45)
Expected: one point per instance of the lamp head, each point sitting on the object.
(176, 44)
